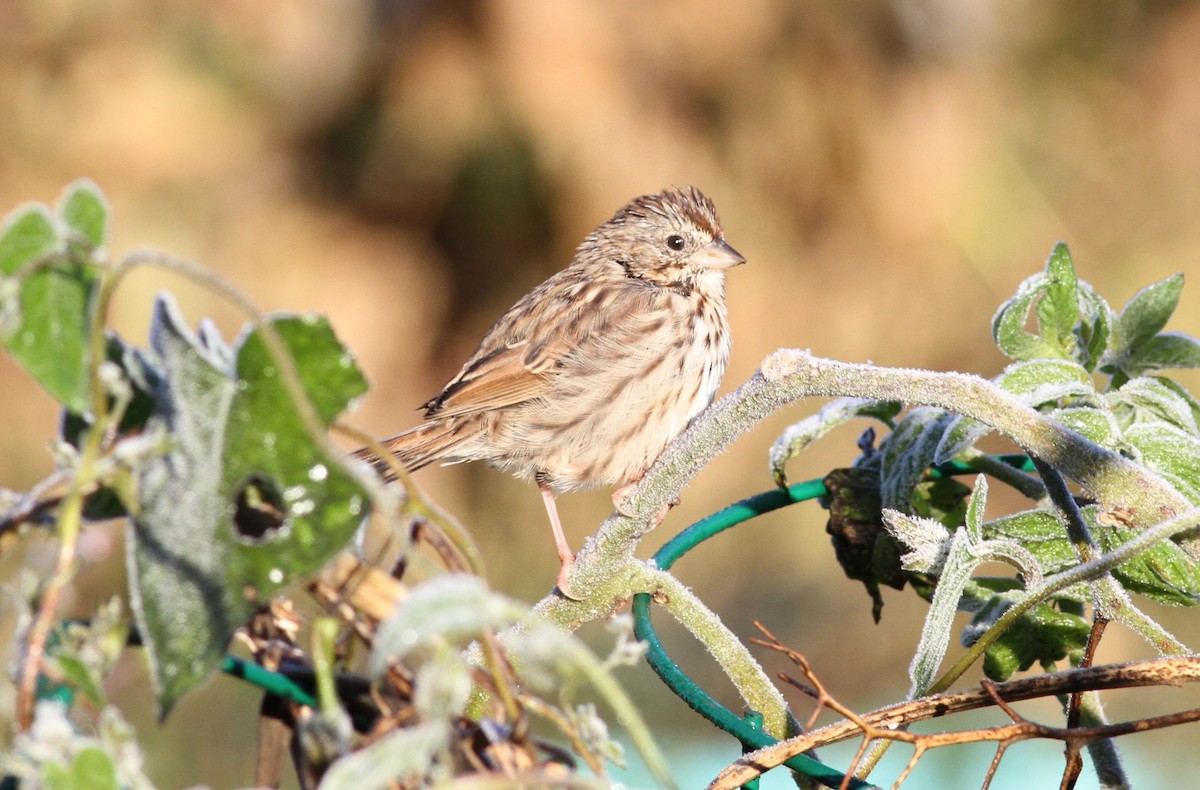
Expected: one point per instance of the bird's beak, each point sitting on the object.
(717, 255)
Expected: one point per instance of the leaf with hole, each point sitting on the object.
(295, 504)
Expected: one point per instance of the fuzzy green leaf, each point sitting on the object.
(1041, 381)
(800, 435)
(1167, 351)
(1008, 325)
(908, 451)
(268, 449)
(1153, 400)
(1073, 322)
(1040, 532)
(1058, 309)
(1147, 313)
(46, 327)
(179, 543)
(1098, 425)
(1164, 572)
(1173, 453)
(1043, 635)
(85, 211)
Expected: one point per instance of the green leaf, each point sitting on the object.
(962, 434)
(1073, 322)
(939, 620)
(1043, 635)
(1097, 425)
(800, 435)
(85, 211)
(975, 508)
(79, 675)
(91, 769)
(1095, 327)
(942, 499)
(1153, 400)
(1008, 325)
(1163, 572)
(180, 542)
(28, 234)
(46, 329)
(1147, 313)
(1040, 532)
(1058, 309)
(1167, 351)
(268, 448)
(1171, 452)
(1042, 381)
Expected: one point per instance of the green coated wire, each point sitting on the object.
(699, 700)
(733, 515)
(270, 682)
(678, 681)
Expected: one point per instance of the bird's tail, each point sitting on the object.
(419, 446)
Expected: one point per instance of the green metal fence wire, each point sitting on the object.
(271, 682)
(679, 682)
(676, 679)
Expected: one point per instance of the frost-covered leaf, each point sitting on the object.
(1153, 400)
(1072, 321)
(975, 507)
(962, 434)
(1163, 572)
(928, 541)
(959, 564)
(1043, 381)
(1171, 452)
(1145, 315)
(1042, 635)
(1097, 425)
(1008, 325)
(1058, 309)
(908, 451)
(179, 543)
(47, 326)
(1039, 531)
(1167, 351)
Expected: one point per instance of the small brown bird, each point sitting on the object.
(584, 381)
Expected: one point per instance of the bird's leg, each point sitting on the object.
(560, 540)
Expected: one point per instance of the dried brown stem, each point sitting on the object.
(887, 723)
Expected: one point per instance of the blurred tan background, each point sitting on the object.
(890, 170)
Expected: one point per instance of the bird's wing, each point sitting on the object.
(502, 378)
(518, 359)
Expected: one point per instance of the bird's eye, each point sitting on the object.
(675, 242)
